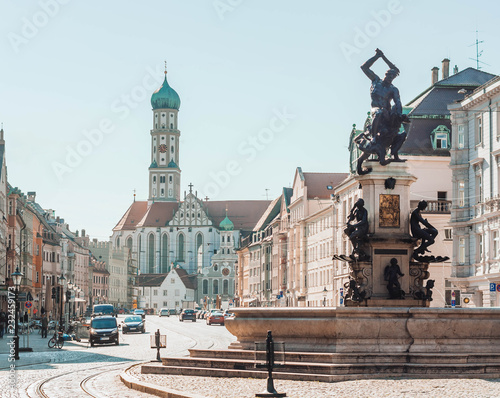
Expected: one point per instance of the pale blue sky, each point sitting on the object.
(233, 67)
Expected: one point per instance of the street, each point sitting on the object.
(79, 370)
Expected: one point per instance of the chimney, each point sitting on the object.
(446, 68)
(83, 233)
(435, 72)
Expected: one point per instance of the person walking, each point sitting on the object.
(45, 325)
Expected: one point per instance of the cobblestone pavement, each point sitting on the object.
(64, 370)
(215, 387)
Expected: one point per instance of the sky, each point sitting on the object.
(265, 87)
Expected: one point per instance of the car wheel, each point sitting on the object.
(194, 320)
(91, 343)
(117, 342)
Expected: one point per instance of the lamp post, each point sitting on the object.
(325, 292)
(16, 276)
(288, 298)
(61, 297)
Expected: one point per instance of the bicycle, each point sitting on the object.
(56, 340)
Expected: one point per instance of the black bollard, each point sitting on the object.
(269, 365)
(157, 341)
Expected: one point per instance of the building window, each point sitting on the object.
(440, 137)
(448, 235)
(164, 253)
(479, 188)
(479, 241)
(461, 250)
(448, 297)
(155, 305)
(461, 136)
(461, 193)
(216, 287)
(225, 287)
(172, 281)
(205, 286)
(155, 292)
(165, 293)
(479, 130)
(165, 303)
(180, 247)
(151, 253)
(495, 245)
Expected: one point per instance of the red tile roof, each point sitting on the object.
(317, 184)
(158, 214)
(132, 216)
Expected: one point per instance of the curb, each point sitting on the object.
(133, 383)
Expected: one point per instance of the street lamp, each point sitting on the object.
(61, 297)
(16, 276)
(288, 298)
(325, 292)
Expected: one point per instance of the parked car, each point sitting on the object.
(102, 330)
(216, 318)
(133, 323)
(187, 314)
(172, 311)
(140, 312)
(164, 312)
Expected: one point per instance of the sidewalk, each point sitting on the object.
(38, 346)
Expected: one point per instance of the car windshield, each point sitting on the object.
(133, 319)
(188, 311)
(139, 312)
(104, 323)
(217, 314)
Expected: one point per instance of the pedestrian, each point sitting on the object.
(3, 321)
(45, 325)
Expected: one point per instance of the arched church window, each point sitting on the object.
(205, 286)
(163, 125)
(172, 149)
(225, 287)
(170, 179)
(216, 286)
(164, 253)
(216, 267)
(180, 247)
(151, 253)
(171, 125)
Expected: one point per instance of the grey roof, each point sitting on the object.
(419, 141)
(430, 109)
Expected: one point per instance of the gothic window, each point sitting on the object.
(199, 250)
(164, 253)
(151, 253)
(139, 249)
(180, 247)
(129, 242)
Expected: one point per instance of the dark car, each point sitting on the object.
(103, 330)
(187, 315)
(133, 323)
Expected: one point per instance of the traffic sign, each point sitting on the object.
(28, 304)
(493, 287)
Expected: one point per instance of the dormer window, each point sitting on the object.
(440, 138)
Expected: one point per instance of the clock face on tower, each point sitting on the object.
(162, 148)
(225, 271)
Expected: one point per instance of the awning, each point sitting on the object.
(250, 300)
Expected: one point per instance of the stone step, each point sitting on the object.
(356, 373)
(334, 369)
(352, 358)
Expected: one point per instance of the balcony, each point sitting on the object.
(434, 206)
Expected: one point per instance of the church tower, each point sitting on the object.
(164, 171)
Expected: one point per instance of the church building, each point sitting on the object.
(168, 231)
